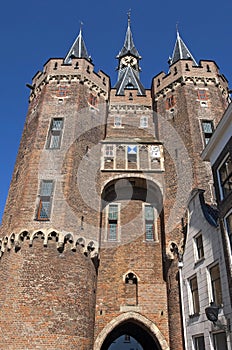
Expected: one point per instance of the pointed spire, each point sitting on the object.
(128, 67)
(129, 46)
(78, 49)
(181, 51)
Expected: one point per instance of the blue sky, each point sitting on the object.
(34, 31)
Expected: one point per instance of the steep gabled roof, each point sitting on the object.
(78, 49)
(181, 51)
(129, 46)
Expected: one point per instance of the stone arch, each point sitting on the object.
(152, 188)
(130, 272)
(136, 175)
(149, 326)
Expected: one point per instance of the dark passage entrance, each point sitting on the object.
(138, 335)
(125, 342)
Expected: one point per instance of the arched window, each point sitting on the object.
(131, 289)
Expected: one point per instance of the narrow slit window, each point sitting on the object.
(55, 133)
(149, 222)
(92, 100)
(45, 202)
(170, 102)
(113, 222)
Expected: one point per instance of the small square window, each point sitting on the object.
(143, 122)
(117, 121)
(62, 91)
(202, 95)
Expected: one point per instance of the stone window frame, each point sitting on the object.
(193, 293)
(170, 102)
(62, 91)
(197, 342)
(118, 121)
(153, 156)
(198, 249)
(207, 135)
(118, 223)
(202, 94)
(44, 207)
(155, 216)
(54, 133)
(214, 289)
(215, 343)
(143, 124)
(132, 157)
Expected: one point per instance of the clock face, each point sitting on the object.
(129, 61)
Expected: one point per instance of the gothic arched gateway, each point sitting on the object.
(135, 325)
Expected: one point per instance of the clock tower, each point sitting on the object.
(128, 66)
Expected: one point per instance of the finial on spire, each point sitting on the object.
(81, 25)
(78, 49)
(177, 24)
(180, 51)
(129, 16)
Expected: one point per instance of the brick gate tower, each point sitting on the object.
(91, 232)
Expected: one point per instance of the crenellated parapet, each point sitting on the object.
(79, 70)
(63, 241)
(183, 72)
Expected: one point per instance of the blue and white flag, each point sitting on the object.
(132, 149)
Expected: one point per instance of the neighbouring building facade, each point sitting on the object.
(205, 279)
(100, 185)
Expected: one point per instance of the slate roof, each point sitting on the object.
(181, 52)
(129, 46)
(78, 49)
(129, 79)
